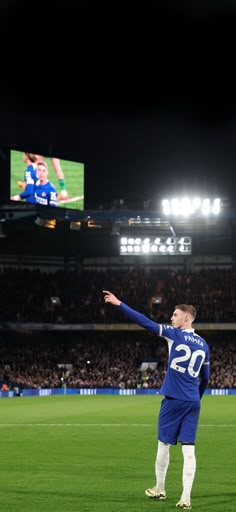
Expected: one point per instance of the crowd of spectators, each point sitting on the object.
(27, 293)
(84, 357)
(102, 359)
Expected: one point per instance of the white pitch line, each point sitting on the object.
(76, 425)
(100, 425)
(71, 200)
(220, 425)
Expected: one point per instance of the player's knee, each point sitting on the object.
(163, 444)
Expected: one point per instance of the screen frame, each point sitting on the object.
(75, 202)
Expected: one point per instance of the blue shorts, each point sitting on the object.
(178, 421)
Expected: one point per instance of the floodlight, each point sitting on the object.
(156, 245)
(216, 206)
(146, 248)
(187, 206)
(154, 248)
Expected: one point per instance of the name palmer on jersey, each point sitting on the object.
(187, 337)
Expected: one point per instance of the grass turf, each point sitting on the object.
(97, 453)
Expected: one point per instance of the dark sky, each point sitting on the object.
(143, 93)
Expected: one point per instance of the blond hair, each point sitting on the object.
(188, 308)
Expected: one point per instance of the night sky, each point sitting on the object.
(143, 94)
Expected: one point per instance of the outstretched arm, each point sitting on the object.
(132, 314)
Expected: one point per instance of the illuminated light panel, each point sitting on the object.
(156, 246)
(184, 207)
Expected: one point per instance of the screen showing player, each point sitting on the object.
(43, 180)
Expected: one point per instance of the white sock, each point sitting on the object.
(161, 465)
(189, 468)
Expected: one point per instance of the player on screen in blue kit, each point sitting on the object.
(30, 178)
(45, 192)
(186, 379)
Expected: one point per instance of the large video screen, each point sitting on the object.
(46, 181)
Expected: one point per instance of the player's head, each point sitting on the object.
(29, 157)
(42, 171)
(183, 315)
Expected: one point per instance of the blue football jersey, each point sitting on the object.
(30, 178)
(187, 353)
(45, 194)
(188, 363)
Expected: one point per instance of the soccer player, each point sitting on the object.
(45, 192)
(30, 178)
(186, 379)
(56, 163)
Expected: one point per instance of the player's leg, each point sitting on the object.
(189, 469)
(168, 429)
(187, 437)
(21, 184)
(161, 466)
(63, 195)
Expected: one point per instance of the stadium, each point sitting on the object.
(140, 150)
(83, 384)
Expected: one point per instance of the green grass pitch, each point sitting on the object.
(97, 453)
(74, 179)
